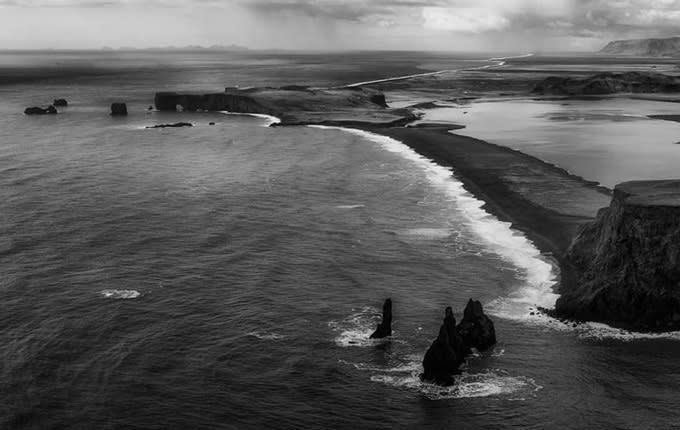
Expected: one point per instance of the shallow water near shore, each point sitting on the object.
(228, 276)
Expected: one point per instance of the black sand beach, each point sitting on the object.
(544, 201)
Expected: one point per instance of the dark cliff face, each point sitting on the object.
(627, 261)
(609, 83)
(644, 47)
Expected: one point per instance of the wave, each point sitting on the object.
(350, 206)
(426, 233)
(270, 119)
(120, 294)
(266, 335)
(492, 383)
(355, 330)
(538, 273)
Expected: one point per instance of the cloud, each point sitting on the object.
(374, 23)
(466, 20)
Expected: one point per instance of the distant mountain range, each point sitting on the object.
(181, 48)
(669, 47)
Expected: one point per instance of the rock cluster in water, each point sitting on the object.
(627, 261)
(385, 327)
(119, 109)
(49, 110)
(454, 342)
(175, 125)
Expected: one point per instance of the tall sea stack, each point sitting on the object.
(626, 263)
(385, 327)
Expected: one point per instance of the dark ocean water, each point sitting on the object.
(227, 276)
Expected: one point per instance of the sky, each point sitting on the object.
(450, 25)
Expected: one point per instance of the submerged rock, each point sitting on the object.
(119, 109)
(448, 352)
(626, 263)
(476, 328)
(385, 327)
(60, 102)
(51, 110)
(175, 125)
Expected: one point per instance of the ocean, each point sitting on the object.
(228, 276)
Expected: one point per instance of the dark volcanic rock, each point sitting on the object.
(175, 125)
(456, 341)
(293, 105)
(627, 262)
(119, 109)
(385, 327)
(440, 362)
(477, 329)
(609, 83)
(447, 353)
(40, 111)
(60, 102)
(379, 99)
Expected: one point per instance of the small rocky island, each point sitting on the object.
(627, 261)
(455, 342)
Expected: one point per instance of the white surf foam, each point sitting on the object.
(498, 237)
(350, 206)
(492, 383)
(120, 294)
(426, 233)
(266, 335)
(270, 119)
(355, 330)
(538, 273)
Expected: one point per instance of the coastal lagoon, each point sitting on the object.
(228, 276)
(604, 140)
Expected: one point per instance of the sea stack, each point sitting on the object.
(626, 263)
(447, 353)
(476, 328)
(119, 109)
(385, 327)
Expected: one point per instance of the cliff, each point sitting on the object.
(609, 83)
(669, 47)
(292, 104)
(627, 262)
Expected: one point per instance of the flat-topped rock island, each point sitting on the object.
(293, 105)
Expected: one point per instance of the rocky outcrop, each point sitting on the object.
(627, 262)
(60, 103)
(609, 83)
(477, 329)
(385, 327)
(168, 101)
(175, 125)
(49, 110)
(294, 105)
(669, 47)
(119, 109)
(454, 342)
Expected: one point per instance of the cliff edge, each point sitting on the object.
(669, 47)
(627, 262)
